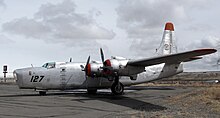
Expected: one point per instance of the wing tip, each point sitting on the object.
(196, 57)
(208, 50)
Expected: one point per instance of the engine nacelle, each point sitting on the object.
(119, 67)
(94, 69)
(113, 67)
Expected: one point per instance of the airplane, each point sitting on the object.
(114, 73)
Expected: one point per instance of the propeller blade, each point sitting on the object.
(88, 60)
(86, 67)
(70, 59)
(102, 55)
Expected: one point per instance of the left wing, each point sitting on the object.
(172, 58)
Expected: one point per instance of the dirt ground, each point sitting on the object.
(203, 101)
(176, 98)
(146, 101)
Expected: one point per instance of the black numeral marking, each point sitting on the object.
(41, 78)
(36, 78)
(32, 77)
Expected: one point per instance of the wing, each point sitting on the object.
(172, 58)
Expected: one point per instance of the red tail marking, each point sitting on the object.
(169, 26)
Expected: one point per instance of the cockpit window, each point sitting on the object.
(49, 65)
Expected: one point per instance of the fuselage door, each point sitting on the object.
(63, 77)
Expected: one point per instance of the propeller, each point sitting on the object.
(88, 60)
(106, 64)
(102, 55)
(70, 59)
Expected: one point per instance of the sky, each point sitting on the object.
(39, 31)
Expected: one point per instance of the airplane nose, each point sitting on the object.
(16, 71)
(17, 74)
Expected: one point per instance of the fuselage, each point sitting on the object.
(68, 75)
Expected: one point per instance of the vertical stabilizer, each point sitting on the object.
(168, 45)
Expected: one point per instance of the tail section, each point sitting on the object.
(167, 47)
(167, 44)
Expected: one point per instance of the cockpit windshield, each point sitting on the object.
(49, 65)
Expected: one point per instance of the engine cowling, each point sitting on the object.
(114, 67)
(94, 69)
(111, 68)
(119, 67)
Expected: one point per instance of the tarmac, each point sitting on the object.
(136, 102)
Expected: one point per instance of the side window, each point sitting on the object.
(45, 65)
(49, 65)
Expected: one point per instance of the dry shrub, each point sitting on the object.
(213, 93)
(211, 96)
(207, 96)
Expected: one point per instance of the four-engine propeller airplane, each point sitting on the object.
(114, 73)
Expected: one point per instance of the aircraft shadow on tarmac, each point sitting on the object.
(106, 96)
(149, 88)
(125, 101)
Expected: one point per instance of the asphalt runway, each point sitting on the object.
(136, 102)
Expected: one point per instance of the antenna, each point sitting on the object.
(218, 61)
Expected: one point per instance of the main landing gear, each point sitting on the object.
(42, 93)
(117, 87)
(91, 91)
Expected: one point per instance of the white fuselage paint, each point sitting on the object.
(167, 40)
(71, 76)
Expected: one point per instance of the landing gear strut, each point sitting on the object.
(117, 87)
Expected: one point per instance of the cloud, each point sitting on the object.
(27, 27)
(59, 23)
(145, 47)
(209, 61)
(5, 40)
(206, 42)
(143, 17)
(144, 20)
(2, 4)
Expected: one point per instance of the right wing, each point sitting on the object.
(172, 58)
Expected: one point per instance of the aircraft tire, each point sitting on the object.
(42, 93)
(91, 91)
(117, 89)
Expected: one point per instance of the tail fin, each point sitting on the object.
(168, 45)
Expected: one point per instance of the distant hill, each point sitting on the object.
(195, 76)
